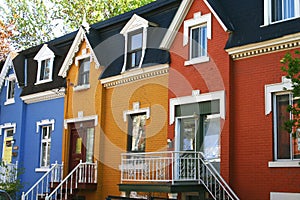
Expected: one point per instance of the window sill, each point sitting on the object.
(279, 21)
(42, 169)
(196, 61)
(9, 101)
(43, 81)
(272, 164)
(81, 87)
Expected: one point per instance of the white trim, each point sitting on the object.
(285, 85)
(284, 164)
(81, 87)
(197, 20)
(44, 96)
(7, 126)
(135, 75)
(136, 110)
(198, 60)
(135, 23)
(216, 16)
(81, 57)
(43, 123)
(284, 196)
(42, 169)
(44, 54)
(74, 49)
(195, 99)
(81, 119)
(7, 64)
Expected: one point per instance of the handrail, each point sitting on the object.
(80, 172)
(56, 176)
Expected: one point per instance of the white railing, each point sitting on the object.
(8, 172)
(42, 186)
(82, 173)
(171, 166)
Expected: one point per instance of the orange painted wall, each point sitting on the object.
(152, 93)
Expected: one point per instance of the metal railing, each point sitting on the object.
(8, 172)
(42, 186)
(82, 173)
(172, 166)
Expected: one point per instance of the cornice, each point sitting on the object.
(44, 96)
(135, 75)
(256, 49)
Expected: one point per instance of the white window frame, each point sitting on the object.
(134, 24)
(39, 130)
(78, 59)
(44, 54)
(12, 77)
(47, 141)
(268, 12)
(5, 136)
(196, 21)
(270, 90)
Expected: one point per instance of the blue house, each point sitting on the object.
(34, 113)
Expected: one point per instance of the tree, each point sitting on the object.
(38, 21)
(5, 35)
(291, 67)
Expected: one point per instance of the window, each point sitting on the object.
(11, 89)
(286, 147)
(283, 9)
(196, 33)
(135, 44)
(8, 145)
(84, 71)
(136, 132)
(45, 59)
(198, 41)
(45, 145)
(45, 70)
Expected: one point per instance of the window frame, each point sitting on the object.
(130, 133)
(84, 76)
(6, 129)
(191, 53)
(197, 21)
(78, 61)
(131, 51)
(47, 140)
(10, 99)
(268, 12)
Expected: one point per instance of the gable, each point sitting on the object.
(7, 64)
(44, 53)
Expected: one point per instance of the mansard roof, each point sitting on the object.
(26, 67)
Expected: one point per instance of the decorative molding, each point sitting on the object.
(136, 110)
(196, 99)
(283, 164)
(81, 119)
(285, 85)
(7, 126)
(43, 123)
(44, 96)
(135, 75)
(261, 48)
(136, 22)
(7, 64)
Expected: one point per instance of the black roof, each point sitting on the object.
(247, 18)
(60, 48)
(109, 45)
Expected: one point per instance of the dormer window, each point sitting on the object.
(135, 33)
(11, 84)
(45, 58)
(135, 45)
(280, 10)
(197, 31)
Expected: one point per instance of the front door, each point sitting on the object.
(7, 146)
(81, 144)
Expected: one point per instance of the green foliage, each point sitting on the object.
(9, 180)
(38, 21)
(292, 69)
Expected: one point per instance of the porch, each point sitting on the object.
(172, 172)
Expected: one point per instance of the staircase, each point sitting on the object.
(82, 177)
(44, 184)
(52, 186)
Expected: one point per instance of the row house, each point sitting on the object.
(178, 99)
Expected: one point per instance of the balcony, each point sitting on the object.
(172, 172)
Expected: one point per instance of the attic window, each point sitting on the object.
(281, 10)
(45, 58)
(135, 33)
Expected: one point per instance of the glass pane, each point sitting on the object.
(136, 41)
(138, 141)
(78, 145)
(11, 89)
(283, 138)
(187, 134)
(289, 9)
(84, 71)
(199, 41)
(45, 70)
(203, 41)
(9, 133)
(44, 157)
(195, 42)
(90, 145)
(276, 10)
(211, 144)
